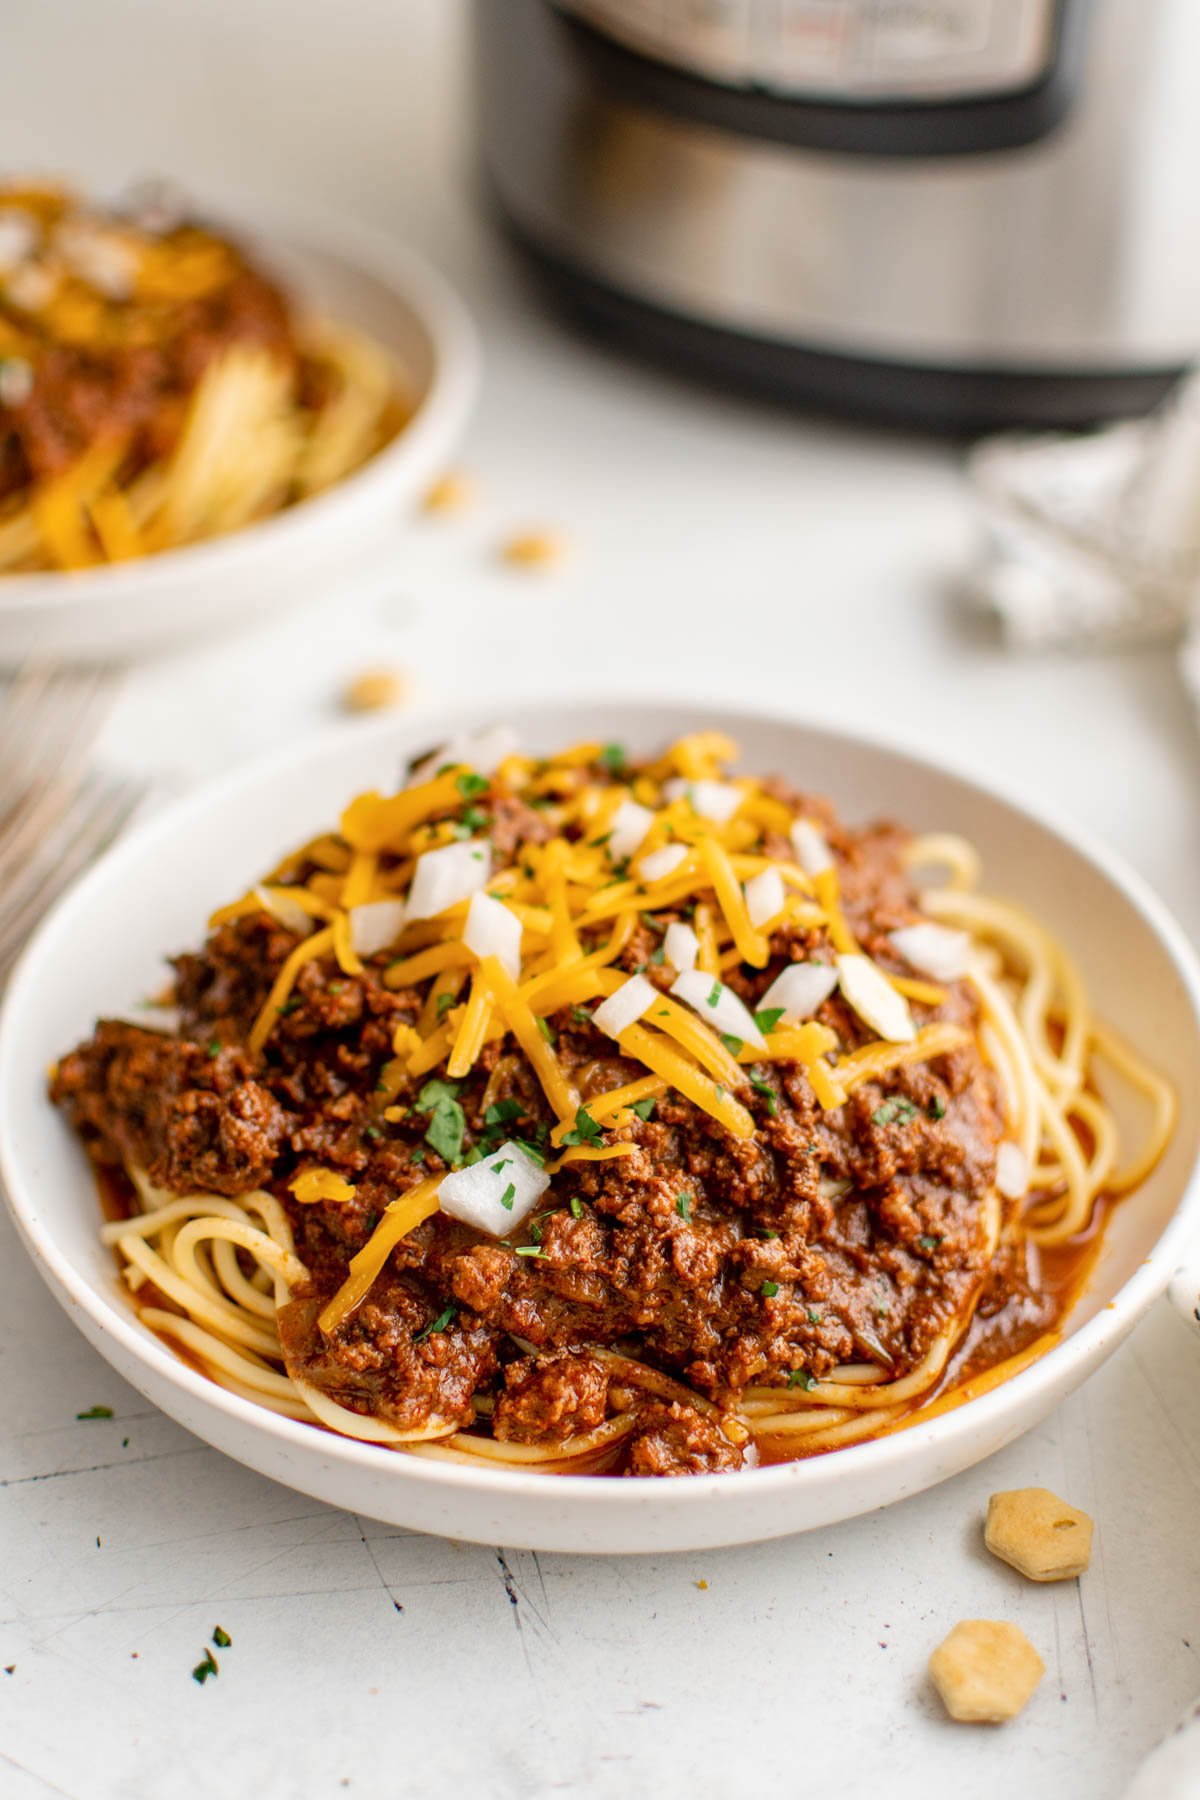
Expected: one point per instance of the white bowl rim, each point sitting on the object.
(455, 362)
(846, 1467)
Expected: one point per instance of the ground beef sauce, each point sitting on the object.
(829, 1237)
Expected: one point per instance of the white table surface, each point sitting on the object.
(719, 548)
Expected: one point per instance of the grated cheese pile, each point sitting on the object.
(411, 876)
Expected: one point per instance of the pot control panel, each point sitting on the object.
(841, 50)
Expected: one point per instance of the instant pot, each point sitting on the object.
(960, 212)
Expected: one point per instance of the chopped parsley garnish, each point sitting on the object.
(896, 1110)
(802, 1378)
(209, 1666)
(221, 1637)
(731, 1043)
(937, 1107)
(544, 1027)
(447, 1121)
(470, 786)
(768, 1018)
(613, 758)
(643, 1108)
(503, 1112)
(769, 1289)
(576, 1207)
(719, 1091)
(288, 1006)
(444, 1003)
(372, 1131)
(586, 1130)
(658, 957)
(96, 1412)
(507, 1197)
(527, 1250)
(530, 1150)
(598, 843)
(814, 1316)
(419, 1154)
(439, 1324)
(581, 1015)
(768, 1093)
(683, 1206)
(656, 925)
(214, 1049)
(714, 995)
(928, 1243)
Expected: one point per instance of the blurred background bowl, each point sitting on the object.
(326, 265)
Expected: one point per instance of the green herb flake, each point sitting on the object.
(447, 1121)
(503, 1112)
(527, 1250)
(221, 1637)
(209, 1666)
(372, 1131)
(658, 957)
(576, 1207)
(586, 1130)
(507, 1197)
(769, 1289)
(470, 786)
(288, 1006)
(419, 1154)
(581, 1015)
(768, 1093)
(613, 757)
(214, 1049)
(714, 995)
(928, 1243)
(731, 1043)
(96, 1412)
(814, 1316)
(439, 1324)
(655, 924)
(643, 1108)
(683, 1206)
(720, 1091)
(937, 1107)
(894, 1111)
(768, 1018)
(544, 1027)
(802, 1378)
(530, 1150)
(444, 1003)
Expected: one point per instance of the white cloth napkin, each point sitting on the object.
(1094, 539)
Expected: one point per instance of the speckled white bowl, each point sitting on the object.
(349, 271)
(102, 947)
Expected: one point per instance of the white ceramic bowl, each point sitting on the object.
(101, 948)
(351, 272)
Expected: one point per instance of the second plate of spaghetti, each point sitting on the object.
(612, 1107)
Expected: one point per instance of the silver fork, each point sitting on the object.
(57, 813)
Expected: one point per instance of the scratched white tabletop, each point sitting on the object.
(385, 1663)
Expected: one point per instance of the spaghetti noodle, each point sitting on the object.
(156, 388)
(461, 1149)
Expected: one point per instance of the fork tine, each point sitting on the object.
(99, 813)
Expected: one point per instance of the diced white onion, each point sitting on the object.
(1012, 1172)
(625, 1006)
(98, 257)
(934, 950)
(444, 877)
(812, 852)
(765, 897)
(715, 800)
(482, 751)
(718, 1006)
(874, 999)
(493, 929)
(375, 926)
(166, 1019)
(476, 1194)
(661, 863)
(800, 990)
(281, 906)
(630, 823)
(681, 947)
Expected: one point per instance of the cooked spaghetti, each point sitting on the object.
(602, 1115)
(157, 388)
